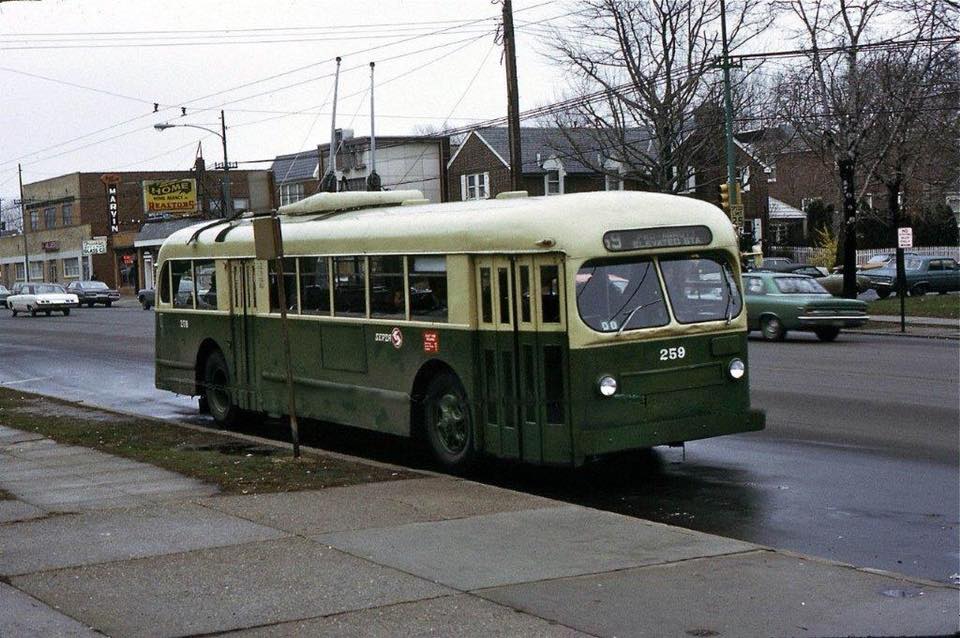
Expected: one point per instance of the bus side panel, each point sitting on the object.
(179, 336)
(660, 399)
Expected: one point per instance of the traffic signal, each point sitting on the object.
(725, 197)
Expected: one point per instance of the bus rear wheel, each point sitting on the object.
(449, 427)
(216, 390)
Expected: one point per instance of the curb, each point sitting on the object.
(897, 333)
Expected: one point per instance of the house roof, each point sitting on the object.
(782, 210)
(554, 142)
(153, 233)
(295, 167)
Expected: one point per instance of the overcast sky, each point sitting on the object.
(213, 54)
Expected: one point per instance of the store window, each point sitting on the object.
(71, 268)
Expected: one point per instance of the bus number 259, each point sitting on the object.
(669, 354)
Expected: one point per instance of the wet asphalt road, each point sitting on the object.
(859, 461)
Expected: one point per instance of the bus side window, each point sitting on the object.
(386, 287)
(165, 283)
(428, 287)
(525, 294)
(486, 297)
(550, 294)
(289, 285)
(206, 284)
(314, 286)
(503, 283)
(349, 287)
(182, 285)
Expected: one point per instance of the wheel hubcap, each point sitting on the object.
(451, 423)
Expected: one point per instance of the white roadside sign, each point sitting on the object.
(904, 238)
(94, 246)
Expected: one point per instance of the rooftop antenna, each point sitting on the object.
(329, 183)
(373, 180)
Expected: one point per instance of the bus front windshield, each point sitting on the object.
(618, 295)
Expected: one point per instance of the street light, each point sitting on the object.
(228, 201)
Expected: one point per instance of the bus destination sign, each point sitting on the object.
(670, 237)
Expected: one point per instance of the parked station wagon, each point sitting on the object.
(779, 302)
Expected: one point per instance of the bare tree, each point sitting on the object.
(829, 102)
(652, 63)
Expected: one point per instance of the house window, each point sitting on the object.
(475, 186)
(215, 205)
(71, 268)
(34, 220)
(553, 183)
(290, 193)
(67, 212)
(807, 201)
(240, 204)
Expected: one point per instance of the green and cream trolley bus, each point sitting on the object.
(550, 330)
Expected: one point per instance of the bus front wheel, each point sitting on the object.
(216, 389)
(449, 427)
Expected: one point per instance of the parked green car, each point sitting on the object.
(779, 302)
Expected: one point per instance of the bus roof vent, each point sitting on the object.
(513, 195)
(348, 200)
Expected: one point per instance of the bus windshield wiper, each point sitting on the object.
(634, 311)
(728, 311)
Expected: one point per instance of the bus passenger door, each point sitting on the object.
(541, 346)
(498, 363)
(242, 311)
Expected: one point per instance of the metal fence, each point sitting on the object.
(802, 254)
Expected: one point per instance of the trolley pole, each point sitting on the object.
(513, 99)
(23, 228)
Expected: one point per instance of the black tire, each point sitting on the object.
(216, 390)
(89, 304)
(108, 304)
(66, 312)
(827, 333)
(15, 312)
(33, 312)
(48, 312)
(919, 290)
(772, 328)
(883, 294)
(447, 423)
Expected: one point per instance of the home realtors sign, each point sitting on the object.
(170, 196)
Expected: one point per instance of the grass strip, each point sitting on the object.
(941, 306)
(5, 496)
(236, 466)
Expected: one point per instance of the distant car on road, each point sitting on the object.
(4, 293)
(93, 292)
(147, 298)
(832, 282)
(923, 275)
(769, 263)
(45, 298)
(780, 302)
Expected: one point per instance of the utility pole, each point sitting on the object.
(513, 99)
(373, 180)
(23, 227)
(227, 199)
(329, 183)
(735, 203)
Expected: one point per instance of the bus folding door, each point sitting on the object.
(242, 316)
(497, 368)
(542, 361)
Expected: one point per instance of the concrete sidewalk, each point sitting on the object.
(431, 556)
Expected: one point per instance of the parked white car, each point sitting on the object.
(45, 298)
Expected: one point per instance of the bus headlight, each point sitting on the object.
(736, 369)
(607, 386)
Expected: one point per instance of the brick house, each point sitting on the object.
(480, 169)
(62, 212)
(402, 162)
